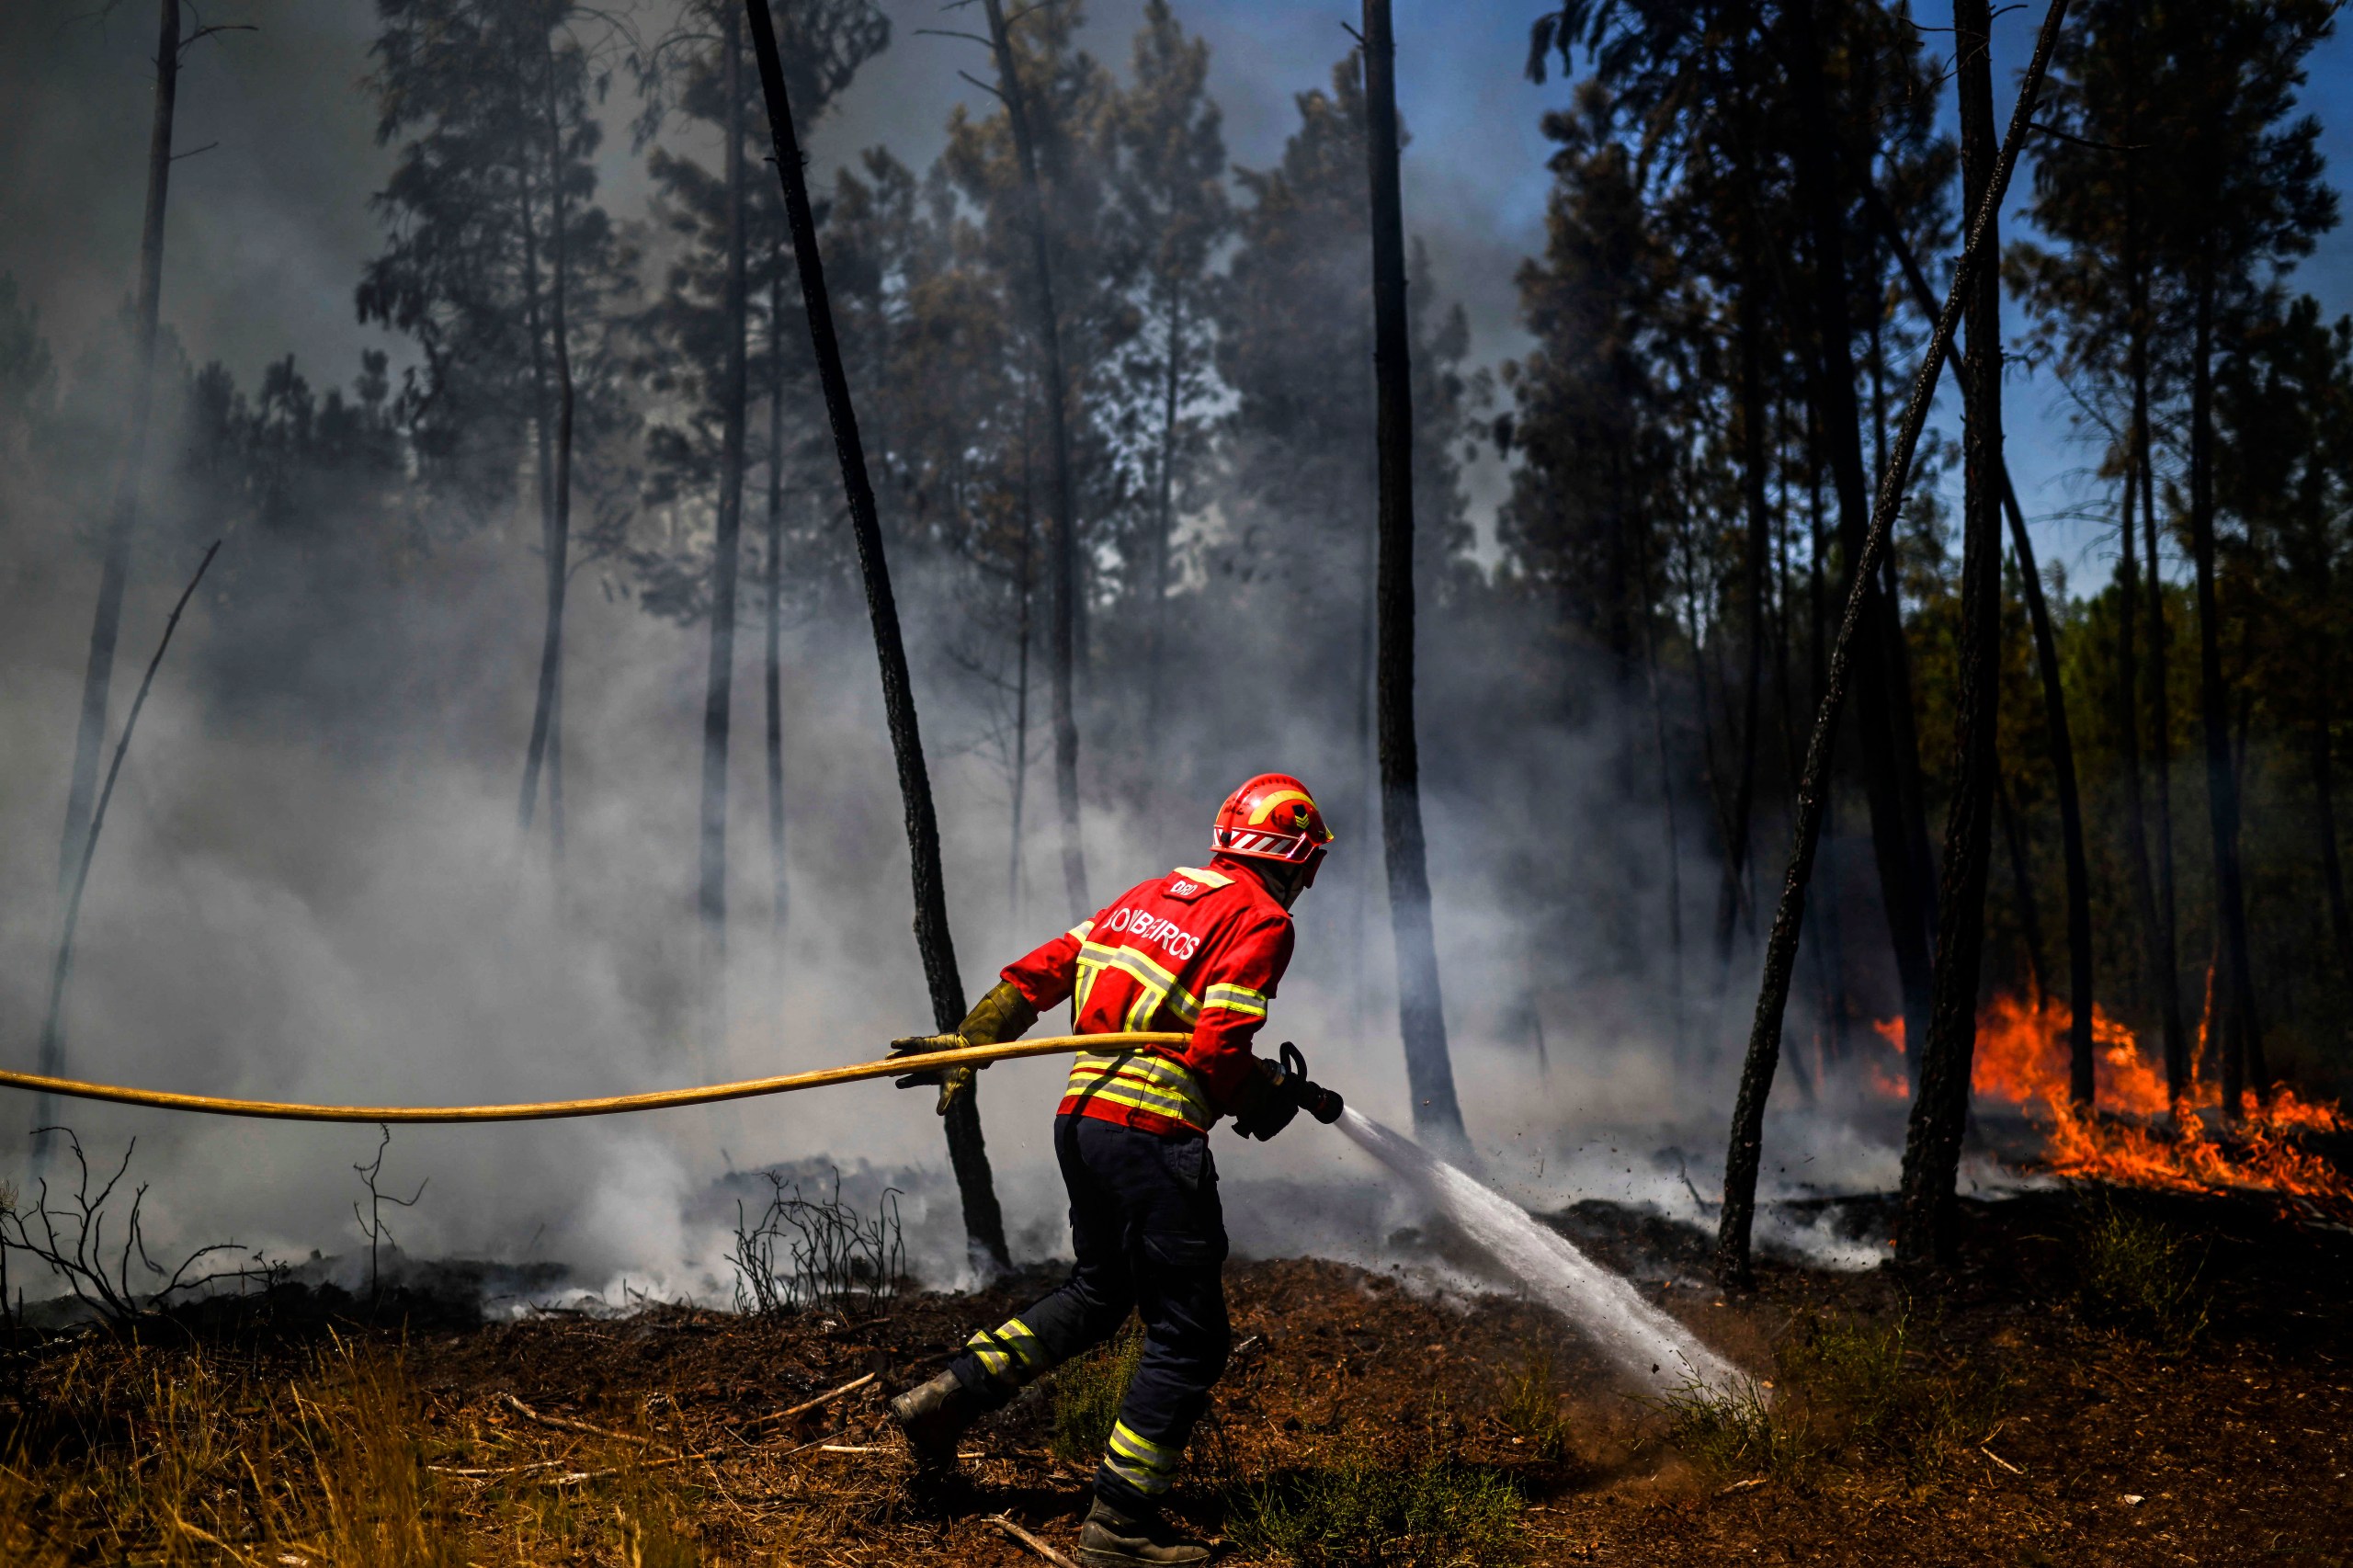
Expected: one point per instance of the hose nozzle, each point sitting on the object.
(1325, 1105)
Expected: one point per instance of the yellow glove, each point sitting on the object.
(1004, 1013)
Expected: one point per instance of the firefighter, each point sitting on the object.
(1197, 951)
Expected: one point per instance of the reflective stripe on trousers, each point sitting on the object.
(1149, 1236)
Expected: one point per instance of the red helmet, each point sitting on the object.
(1274, 818)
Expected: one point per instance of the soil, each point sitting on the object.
(2102, 1448)
(2085, 1445)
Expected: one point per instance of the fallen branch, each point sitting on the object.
(812, 1443)
(806, 1405)
(565, 1424)
(1999, 1460)
(575, 1477)
(1008, 1527)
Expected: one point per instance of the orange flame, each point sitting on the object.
(2022, 1058)
(1887, 1084)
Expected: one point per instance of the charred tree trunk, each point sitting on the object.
(1017, 871)
(1429, 1072)
(719, 685)
(53, 1036)
(773, 651)
(1165, 510)
(560, 528)
(543, 421)
(2158, 934)
(2164, 938)
(1667, 806)
(1939, 1112)
(1731, 899)
(2071, 808)
(1062, 557)
(2128, 722)
(1745, 1147)
(967, 1152)
(546, 749)
(1832, 935)
(122, 523)
(2245, 1045)
(1834, 395)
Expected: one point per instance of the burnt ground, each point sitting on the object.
(1991, 1416)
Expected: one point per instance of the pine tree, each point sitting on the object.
(501, 266)
(1169, 213)
(2092, 298)
(2284, 469)
(722, 297)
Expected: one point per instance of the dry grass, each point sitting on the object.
(177, 1456)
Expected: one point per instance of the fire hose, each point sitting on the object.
(610, 1105)
(1316, 1101)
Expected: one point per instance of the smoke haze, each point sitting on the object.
(310, 886)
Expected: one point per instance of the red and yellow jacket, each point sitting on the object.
(1199, 950)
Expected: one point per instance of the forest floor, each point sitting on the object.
(2107, 1378)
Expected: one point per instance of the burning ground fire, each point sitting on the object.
(2021, 1059)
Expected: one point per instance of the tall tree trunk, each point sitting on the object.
(2062, 773)
(2164, 958)
(1165, 510)
(560, 537)
(1832, 373)
(545, 751)
(2245, 1045)
(1062, 557)
(1833, 938)
(2054, 701)
(53, 1036)
(967, 1152)
(2164, 937)
(1667, 806)
(122, 522)
(1911, 784)
(1016, 869)
(1939, 1112)
(1732, 898)
(1745, 1147)
(781, 892)
(1429, 1072)
(719, 686)
(2128, 721)
(1703, 718)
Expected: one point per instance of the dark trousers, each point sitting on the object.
(1149, 1234)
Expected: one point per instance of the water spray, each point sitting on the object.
(1642, 1342)
(1650, 1347)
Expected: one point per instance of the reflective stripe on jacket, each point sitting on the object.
(1198, 951)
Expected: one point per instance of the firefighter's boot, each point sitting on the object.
(1111, 1538)
(934, 1416)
